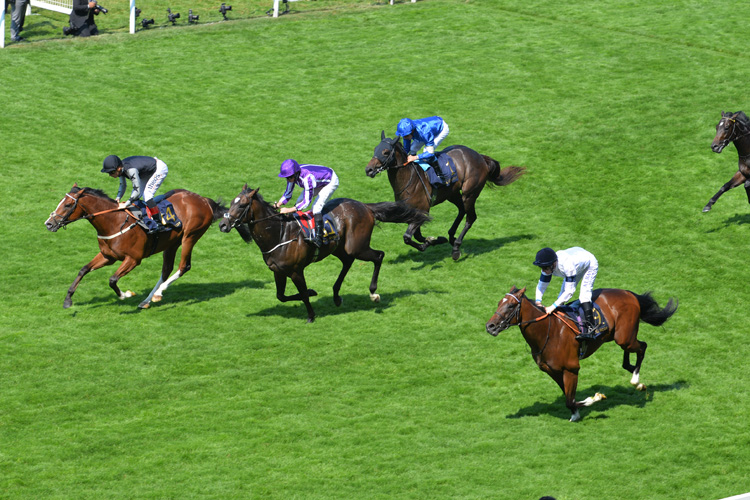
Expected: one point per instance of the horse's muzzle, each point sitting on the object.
(225, 226)
(494, 327)
(52, 225)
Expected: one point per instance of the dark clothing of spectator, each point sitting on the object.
(17, 18)
(82, 19)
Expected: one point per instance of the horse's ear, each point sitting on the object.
(244, 188)
(382, 135)
(523, 290)
(75, 184)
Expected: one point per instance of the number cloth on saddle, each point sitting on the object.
(306, 222)
(168, 215)
(447, 167)
(575, 312)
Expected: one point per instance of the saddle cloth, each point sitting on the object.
(447, 167)
(306, 221)
(574, 311)
(166, 208)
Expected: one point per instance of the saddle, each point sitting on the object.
(306, 221)
(574, 311)
(447, 169)
(165, 208)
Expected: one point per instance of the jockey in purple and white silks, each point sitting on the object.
(318, 184)
(146, 173)
(575, 265)
(425, 132)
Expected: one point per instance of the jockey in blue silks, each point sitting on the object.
(425, 132)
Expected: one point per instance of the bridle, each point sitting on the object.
(733, 135)
(386, 160)
(63, 221)
(236, 221)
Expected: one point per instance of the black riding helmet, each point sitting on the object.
(545, 257)
(111, 163)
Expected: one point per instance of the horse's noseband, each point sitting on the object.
(505, 321)
(237, 221)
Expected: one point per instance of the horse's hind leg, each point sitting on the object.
(471, 216)
(735, 181)
(97, 262)
(640, 352)
(346, 262)
(376, 257)
(164, 279)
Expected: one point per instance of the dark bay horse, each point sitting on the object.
(280, 241)
(552, 337)
(410, 185)
(120, 238)
(734, 127)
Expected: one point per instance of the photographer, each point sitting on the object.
(82, 18)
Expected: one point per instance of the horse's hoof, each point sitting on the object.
(575, 417)
(456, 254)
(338, 301)
(706, 208)
(310, 320)
(375, 297)
(144, 305)
(67, 303)
(126, 295)
(640, 387)
(156, 298)
(312, 293)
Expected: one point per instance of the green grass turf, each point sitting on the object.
(220, 391)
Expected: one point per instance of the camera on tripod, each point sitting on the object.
(192, 18)
(172, 17)
(224, 9)
(146, 22)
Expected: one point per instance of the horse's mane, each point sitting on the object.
(741, 117)
(95, 192)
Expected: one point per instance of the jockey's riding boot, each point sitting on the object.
(318, 239)
(153, 212)
(587, 332)
(438, 171)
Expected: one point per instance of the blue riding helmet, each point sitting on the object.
(545, 257)
(405, 127)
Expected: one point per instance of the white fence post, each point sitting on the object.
(132, 16)
(275, 8)
(2, 29)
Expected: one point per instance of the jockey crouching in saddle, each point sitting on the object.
(427, 133)
(315, 180)
(574, 265)
(146, 173)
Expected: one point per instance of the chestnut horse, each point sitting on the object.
(120, 238)
(280, 241)
(410, 184)
(552, 338)
(733, 127)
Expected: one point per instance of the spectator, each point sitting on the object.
(17, 18)
(82, 19)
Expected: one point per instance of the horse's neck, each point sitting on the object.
(406, 182)
(94, 205)
(535, 333)
(743, 148)
(271, 229)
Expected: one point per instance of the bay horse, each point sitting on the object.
(284, 251)
(410, 184)
(552, 337)
(121, 239)
(734, 127)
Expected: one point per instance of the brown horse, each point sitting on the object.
(410, 184)
(120, 238)
(733, 127)
(552, 337)
(280, 241)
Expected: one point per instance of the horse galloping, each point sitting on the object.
(733, 127)
(280, 241)
(410, 184)
(120, 239)
(552, 338)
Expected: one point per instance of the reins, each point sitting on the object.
(253, 221)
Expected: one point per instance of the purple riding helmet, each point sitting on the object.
(288, 167)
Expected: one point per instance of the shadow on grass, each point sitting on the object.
(434, 256)
(323, 304)
(737, 219)
(616, 396)
(178, 293)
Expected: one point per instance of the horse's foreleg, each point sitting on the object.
(164, 279)
(128, 264)
(376, 257)
(97, 262)
(346, 262)
(299, 281)
(461, 213)
(735, 181)
(471, 216)
(280, 280)
(570, 383)
(410, 231)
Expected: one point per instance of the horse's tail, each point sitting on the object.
(389, 211)
(651, 313)
(218, 208)
(502, 176)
